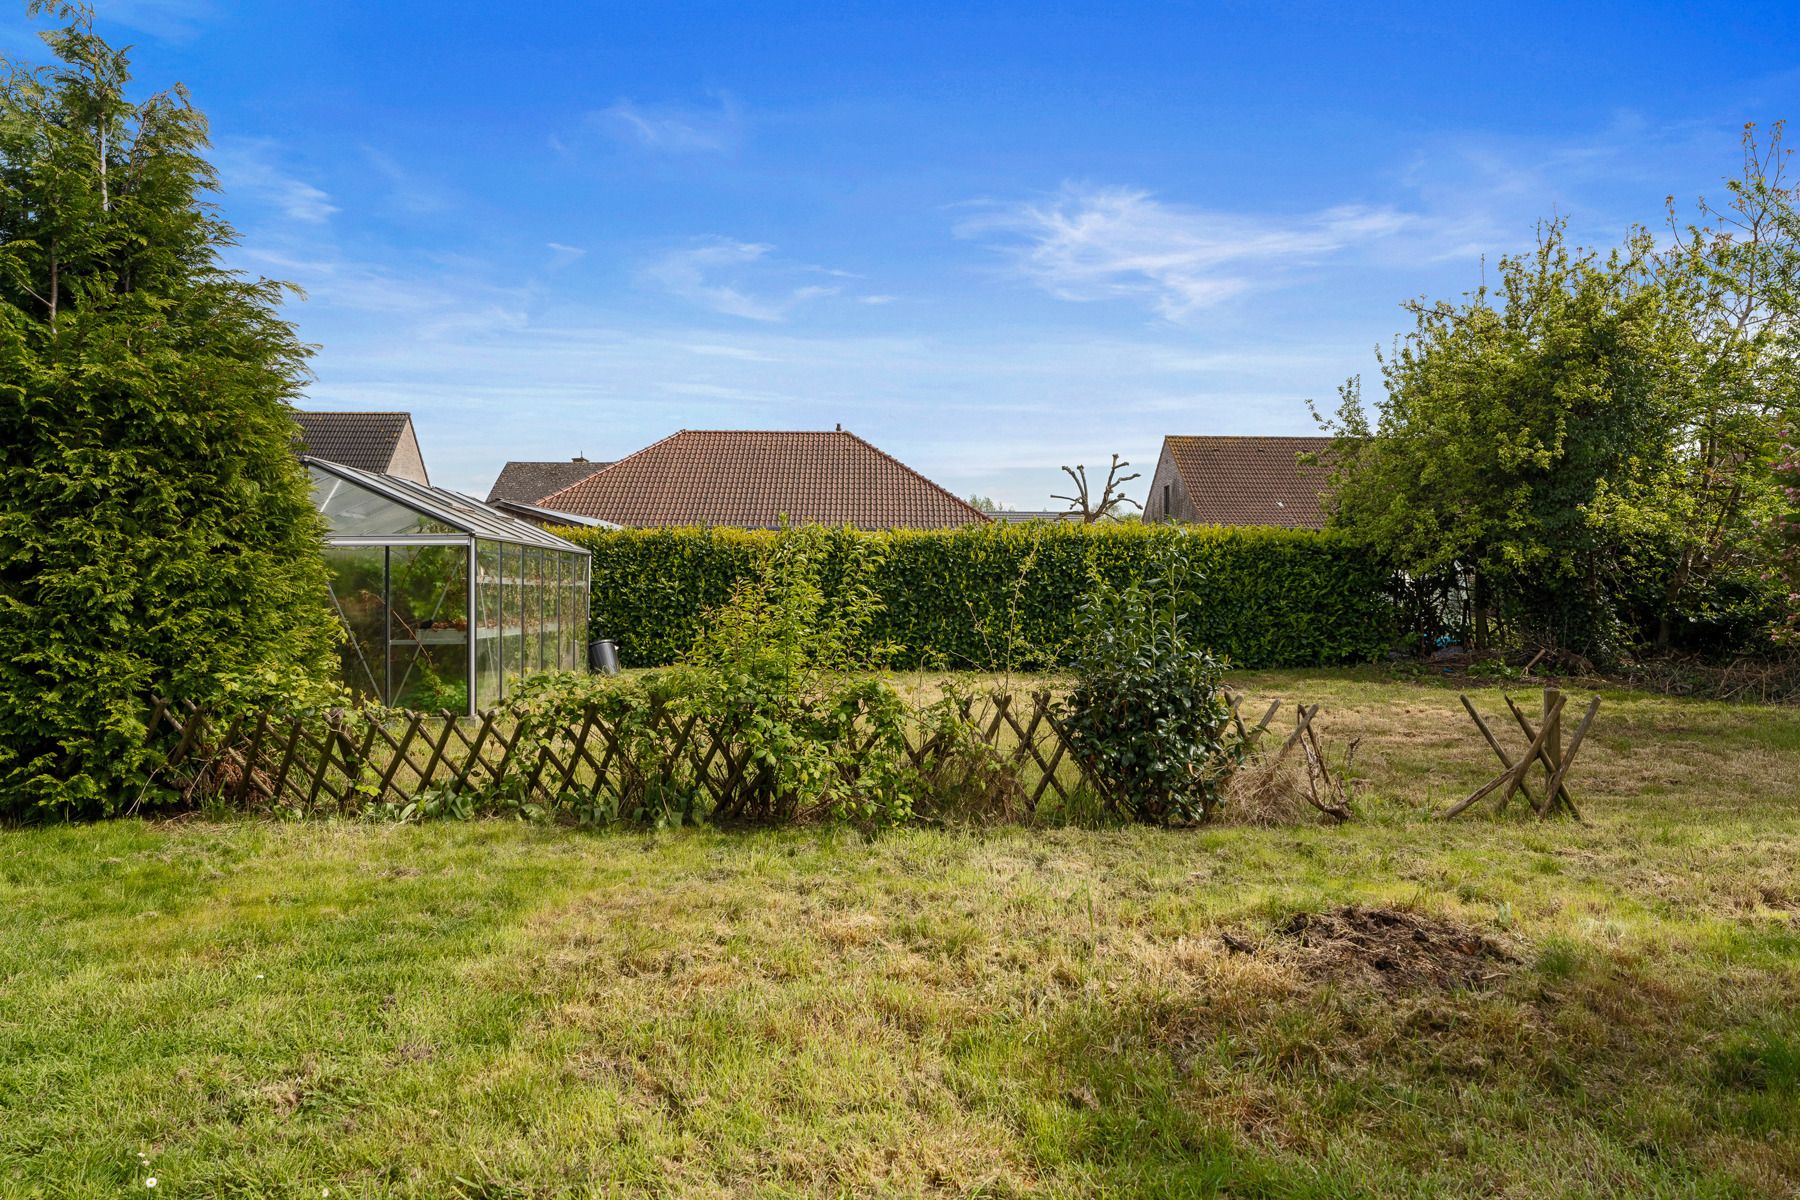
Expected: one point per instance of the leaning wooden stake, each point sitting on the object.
(1545, 747)
(1508, 779)
(1494, 742)
(1303, 717)
(1555, 794)
(1530, 731)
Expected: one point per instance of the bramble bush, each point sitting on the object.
(1005, 597)
(783, 677)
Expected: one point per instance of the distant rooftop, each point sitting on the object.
(382, 442)
(1252, 480)
(755, 479)
(531, 482)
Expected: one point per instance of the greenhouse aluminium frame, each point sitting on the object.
(446, 602)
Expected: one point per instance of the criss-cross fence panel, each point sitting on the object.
(341, 761)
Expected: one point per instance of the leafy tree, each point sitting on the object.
(1520, 434)
(156, 533)
(1589, 451)
(983, 503)
(1735, 272)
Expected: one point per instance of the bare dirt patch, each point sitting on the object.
(1395, 951)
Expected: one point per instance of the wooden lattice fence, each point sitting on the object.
(347, 760)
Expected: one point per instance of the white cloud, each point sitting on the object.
(562, 255)
(248, 170)
(735, 278)
(672, 128)
(1104, 243)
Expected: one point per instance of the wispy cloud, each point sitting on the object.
(738, 279)
(1108, 243)
(672, 128)
(563, 255)
(408, 191)
(172, 20)
(406, 303)
(249, 170)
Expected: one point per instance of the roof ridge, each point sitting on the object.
(354, 412)
(615, 463)
(687, 450)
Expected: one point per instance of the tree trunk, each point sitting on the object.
(1478, 600)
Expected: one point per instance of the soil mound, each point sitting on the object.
(1396, 951)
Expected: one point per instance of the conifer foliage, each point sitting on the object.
(156, 533)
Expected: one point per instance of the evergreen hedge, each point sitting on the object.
(157, 534)
(997, 597)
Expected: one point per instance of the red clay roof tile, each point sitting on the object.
(1252, 480)
(755, 478)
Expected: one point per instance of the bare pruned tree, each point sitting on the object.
(1111, 496)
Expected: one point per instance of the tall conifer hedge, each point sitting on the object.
(156, 533)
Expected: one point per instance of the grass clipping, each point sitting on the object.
(1301, 780)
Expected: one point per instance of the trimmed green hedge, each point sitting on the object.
(995, 597)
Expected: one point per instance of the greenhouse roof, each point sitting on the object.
(425, 510)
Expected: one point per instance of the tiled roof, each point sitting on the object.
(530, 482)
(754, 478)
(1252, 480)
(364, 440)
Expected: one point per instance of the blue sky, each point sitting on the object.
(991, 239)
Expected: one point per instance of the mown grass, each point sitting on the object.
(498, 1010)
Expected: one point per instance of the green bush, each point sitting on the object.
(1149, 715)
(1000, 597)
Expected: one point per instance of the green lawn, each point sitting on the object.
(496, 1010)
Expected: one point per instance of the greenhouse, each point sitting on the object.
(447, 603)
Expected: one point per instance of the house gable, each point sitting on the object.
(531, 482)
(1211, 480)
(382, 442)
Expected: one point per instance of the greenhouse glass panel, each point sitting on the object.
(487, 624)
(584, 598)
(356, 511)
(358, 579)
(548, 659)
(428, 627)
(512, 617)
(532, 576)
(565, 615)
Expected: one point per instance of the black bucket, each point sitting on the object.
(603, 656)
